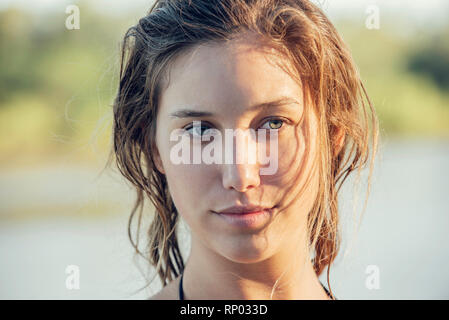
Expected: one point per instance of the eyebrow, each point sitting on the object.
(189, 113)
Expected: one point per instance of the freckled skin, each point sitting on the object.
(226, 80)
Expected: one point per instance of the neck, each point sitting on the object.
(286, 275)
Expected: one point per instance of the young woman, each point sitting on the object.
(273, 66)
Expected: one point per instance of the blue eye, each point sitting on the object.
(277, 123)
(197, 133)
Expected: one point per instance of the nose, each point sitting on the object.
(240, 177)
(242, 174)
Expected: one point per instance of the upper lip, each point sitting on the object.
(243, 209)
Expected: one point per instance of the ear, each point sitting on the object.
(157, 159)
(338, 139)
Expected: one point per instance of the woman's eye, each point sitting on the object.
(200, 131)
(274, 124)
(197, 131)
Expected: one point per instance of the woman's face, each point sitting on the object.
(225, 82)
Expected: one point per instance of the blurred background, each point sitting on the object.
(59, 209)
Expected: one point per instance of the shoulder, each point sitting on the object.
(169, 292)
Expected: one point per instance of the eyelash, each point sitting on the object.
(283, 121)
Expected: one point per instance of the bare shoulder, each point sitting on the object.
(169, 292)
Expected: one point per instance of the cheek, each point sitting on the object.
(188, 186)
(290, 155)
(297, 177)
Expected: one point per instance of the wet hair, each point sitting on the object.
(302, 32)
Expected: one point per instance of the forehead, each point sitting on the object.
(239, 73)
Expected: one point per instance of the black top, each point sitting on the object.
(181, 291)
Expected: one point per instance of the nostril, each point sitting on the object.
(240, 178)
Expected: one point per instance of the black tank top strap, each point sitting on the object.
(327, 292)
(181, 290)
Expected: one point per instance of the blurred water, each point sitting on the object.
(403, 232)
(404, 229)
(34, 257)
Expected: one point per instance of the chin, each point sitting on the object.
(248, 252)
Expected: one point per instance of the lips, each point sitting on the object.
(241, 210)
(246, 217)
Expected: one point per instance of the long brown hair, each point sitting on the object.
(301, 31)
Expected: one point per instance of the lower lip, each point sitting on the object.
(247, 220)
